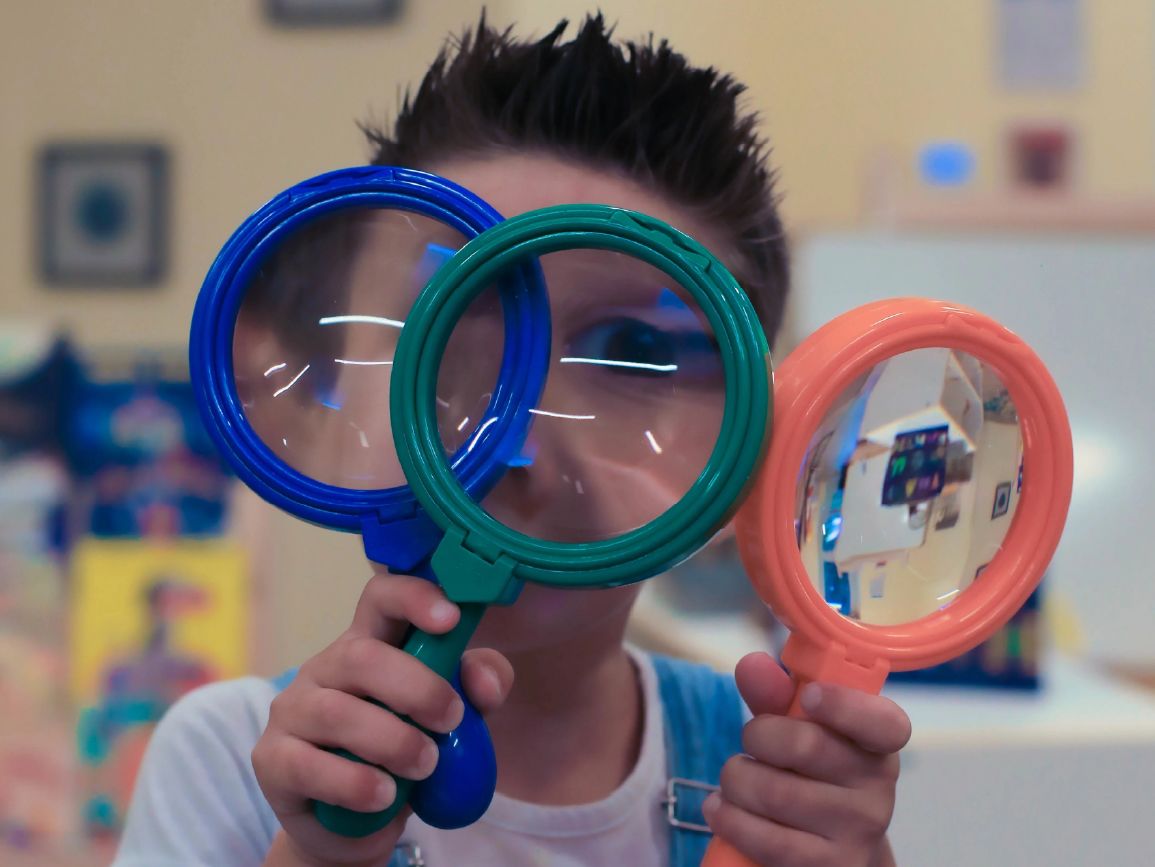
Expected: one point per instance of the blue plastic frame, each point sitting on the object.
(395, 530)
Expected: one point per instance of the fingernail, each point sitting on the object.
(711, 804)
(454, 715)
(426, 762)
(385, 793)
(811, 697)
(443, 610)
(494, 681)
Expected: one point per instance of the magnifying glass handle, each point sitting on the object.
(807, 661)
(721, 853)
(441, 653)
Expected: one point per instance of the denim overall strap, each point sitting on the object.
(283, 679)
(703, 728)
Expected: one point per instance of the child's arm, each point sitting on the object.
(815, 791)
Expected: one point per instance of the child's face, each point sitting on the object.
(650, 419)
(613, 445)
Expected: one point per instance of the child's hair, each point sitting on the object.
(632, 107)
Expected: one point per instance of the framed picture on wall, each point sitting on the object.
(1002, 500)
(332, 13)
(103, 214)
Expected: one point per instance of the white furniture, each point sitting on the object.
(1058, 779)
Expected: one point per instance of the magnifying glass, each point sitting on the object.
(291, 350)
(647, 433)
(914, 493)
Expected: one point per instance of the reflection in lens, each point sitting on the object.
(909, 486)
(315, 336)
(632, 406)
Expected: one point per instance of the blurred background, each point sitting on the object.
(1000, 153)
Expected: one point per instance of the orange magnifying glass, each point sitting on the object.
(915, 490)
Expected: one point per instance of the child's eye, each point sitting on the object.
(631, 347)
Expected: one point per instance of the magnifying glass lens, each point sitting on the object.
(315, 336)
(631, 409)
(909, 486)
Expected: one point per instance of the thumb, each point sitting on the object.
(764, 684)
(487, 677)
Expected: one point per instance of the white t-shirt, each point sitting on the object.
(197, 802)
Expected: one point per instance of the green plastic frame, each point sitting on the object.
(480, 556)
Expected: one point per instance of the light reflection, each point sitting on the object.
(610, 362)
(360, 318)
(480, 431)
(282, 390)
(360, 435)
(562, 415)
(653, 443)
(275, 368)
(362, 363)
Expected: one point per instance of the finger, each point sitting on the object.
(873, 722)
(808, 749)
(487, 677)
(764, 686)
(389, 603)
(366, 667)
(337, 719)
(293, 772)
(820, 808)
(763, 841)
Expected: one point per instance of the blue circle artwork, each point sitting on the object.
(947, 164)
(102, 212)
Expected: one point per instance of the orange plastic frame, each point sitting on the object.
(824, 645)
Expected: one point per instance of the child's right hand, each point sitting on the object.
(324, 707)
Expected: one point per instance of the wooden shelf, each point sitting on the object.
(1035, 212)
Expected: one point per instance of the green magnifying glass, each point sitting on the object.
(652, 421)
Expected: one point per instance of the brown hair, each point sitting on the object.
(637, 107)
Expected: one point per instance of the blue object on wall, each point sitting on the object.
(946, 164)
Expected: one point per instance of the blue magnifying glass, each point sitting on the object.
(291, 355)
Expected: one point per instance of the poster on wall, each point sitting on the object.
(144, 464)
(150, 621)
(1040, 44)
(916, 471)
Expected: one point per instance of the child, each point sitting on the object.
(591, 732)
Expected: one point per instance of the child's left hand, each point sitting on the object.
(810, 792)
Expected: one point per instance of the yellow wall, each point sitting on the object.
(249, 109)
(837, 79)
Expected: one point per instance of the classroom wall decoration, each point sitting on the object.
(150, 622)
(143, 463)
(328, 13)
(1040, 44)
(103, 215)
(37, 762)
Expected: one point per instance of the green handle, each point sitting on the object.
(441, 653)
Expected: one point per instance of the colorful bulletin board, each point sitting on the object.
(150, 622)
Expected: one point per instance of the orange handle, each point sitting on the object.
(807, 662)
(721, 854)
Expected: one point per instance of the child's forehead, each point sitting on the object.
(516, 182)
